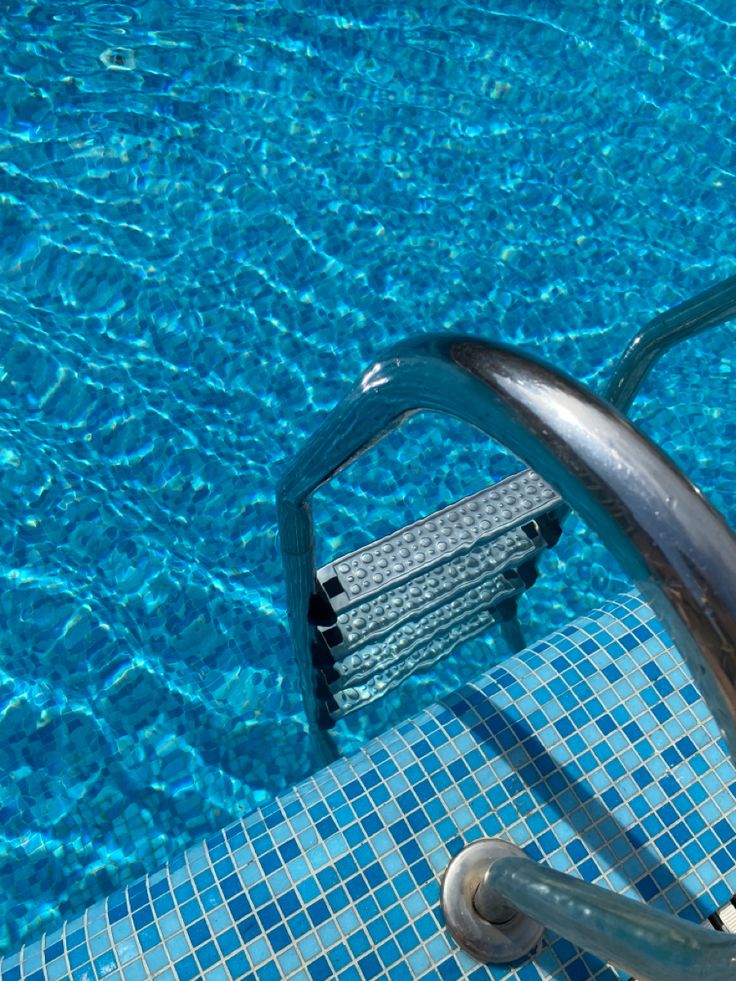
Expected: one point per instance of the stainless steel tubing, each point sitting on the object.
(708, 309)
(647, 944)
(667, 537)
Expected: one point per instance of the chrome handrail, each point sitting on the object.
(670, 540)
(710, 308)
(496, 901)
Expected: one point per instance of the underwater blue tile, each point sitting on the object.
(224, 867)
(78, 956)
(339, 844)
(105, 964)
(318, 912)
(366, 908)
(158, 885)
(320, 969)
(268, 972)
(122, 930)
(99, 943)
(190, 911)
(198, 932)
(336, 899)
(135, 971)
(138, 895)
(279, 937)
(362, 855)
(338, 958)
(203, 879)
(289, 850)
(53, 951)
(299, 924)
(215, 847)
(258, 950)
(326, 827)
(248, 928)
(157, 958)
(536, 819)
(238, 966)
(211, 899)
(358, 943)
(73, 939)
(177, 945)
(163, 904)
(207, 955)
(186, 969)
(142, 917)
(270, 861)
(418, 961)
(184, 891)
(218, 974)
(370, 966)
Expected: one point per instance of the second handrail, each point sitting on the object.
(708, 309)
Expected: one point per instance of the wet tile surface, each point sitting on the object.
(592, 750)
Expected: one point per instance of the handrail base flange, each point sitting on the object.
(490, 943)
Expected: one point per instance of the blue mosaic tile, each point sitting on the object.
(564, 749)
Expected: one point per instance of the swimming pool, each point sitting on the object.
(204, 243)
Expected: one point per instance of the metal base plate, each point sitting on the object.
(489, 943)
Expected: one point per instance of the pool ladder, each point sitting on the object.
(368, 620)
(674, 545)
(402, 603)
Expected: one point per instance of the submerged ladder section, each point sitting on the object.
(404, 602)
(367, 620)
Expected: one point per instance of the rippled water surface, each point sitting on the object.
(213, 215)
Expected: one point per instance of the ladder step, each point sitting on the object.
(380, 615)
(725, 918)
(402, 603)
(402, 555)
(358, 695)
(410, 637)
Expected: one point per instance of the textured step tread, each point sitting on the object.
(382, 614)
(402, 555)
(406, 640)
(725, 919)
(357, 696)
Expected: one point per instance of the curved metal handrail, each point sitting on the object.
(674, 545)
(708, 309)
(668, 538)
(711, 308)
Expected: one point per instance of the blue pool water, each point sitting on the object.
(213, 216)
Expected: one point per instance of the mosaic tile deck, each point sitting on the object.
(592, 749)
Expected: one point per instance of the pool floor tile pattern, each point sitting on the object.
(591, 750)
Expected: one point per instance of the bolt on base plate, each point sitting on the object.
(489, 943)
